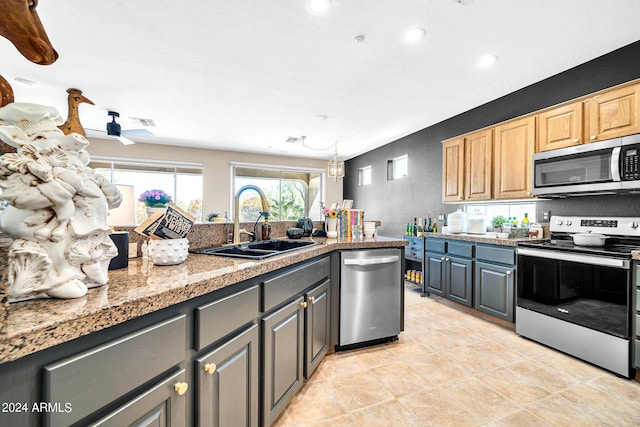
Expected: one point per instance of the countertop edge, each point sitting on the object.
(72, 324)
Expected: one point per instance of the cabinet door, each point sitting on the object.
(560, 127)
(283, 352)
(494, 290)
(478, 165)
(163, 406)
(453, 170)
(459, 272)
(514, 144)
(227, 382)
(614, 113)
(434, 273)
(317, 326)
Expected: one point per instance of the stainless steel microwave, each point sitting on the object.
(604, 167)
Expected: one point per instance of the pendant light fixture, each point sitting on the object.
(335, 168)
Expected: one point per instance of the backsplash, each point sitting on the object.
(618, 205)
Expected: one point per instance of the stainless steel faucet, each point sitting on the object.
(236, 209)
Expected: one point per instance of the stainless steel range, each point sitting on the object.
(577, 299)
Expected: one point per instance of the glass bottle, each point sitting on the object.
(266, 230)
(525, 221)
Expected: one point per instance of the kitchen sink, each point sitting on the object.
(257, 250)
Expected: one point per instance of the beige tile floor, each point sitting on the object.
(450, 368)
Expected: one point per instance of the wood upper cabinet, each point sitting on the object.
(514, 144)
(478, 165)
(466, 167)
(453, 170)
(614, 113)
(560, 127)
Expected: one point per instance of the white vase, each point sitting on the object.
(168, 251)
(152, 211)
(331, 227)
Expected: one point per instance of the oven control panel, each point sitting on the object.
(617, 226)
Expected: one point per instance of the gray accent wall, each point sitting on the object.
(397, 202)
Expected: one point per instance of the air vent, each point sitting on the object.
(143, 122)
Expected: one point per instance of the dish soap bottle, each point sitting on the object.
(266, 230)
(525, 221)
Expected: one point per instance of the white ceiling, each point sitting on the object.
(245, 75)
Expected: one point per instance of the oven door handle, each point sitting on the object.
(579, 258)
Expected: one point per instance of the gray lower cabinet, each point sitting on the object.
(282, 361)
(459, 280)
(435, 273)
(495, 281)
(95, 378)
(163, 405)
(317, 326)
(449, 270)
(227, 382)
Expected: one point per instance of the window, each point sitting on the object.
(291, 193)
(508, 210)
(182, 181)
(397, 168)
(364, 175)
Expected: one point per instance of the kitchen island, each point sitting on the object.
(156, 328)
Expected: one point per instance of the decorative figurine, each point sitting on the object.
(73, 125)
(57, 207)
(20, 24)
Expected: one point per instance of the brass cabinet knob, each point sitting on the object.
(593, 137)
(575, 141)
(460, 197)
(509, 272)
(181, 388)
(442, 259)
(446, 259)
(303, 304)
(210, 368)
(312, 299)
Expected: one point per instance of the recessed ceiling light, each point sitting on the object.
(318, 7)
(414, 34)
(487, 61)
(359, 38)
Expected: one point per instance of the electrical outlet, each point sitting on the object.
(440, 217)
(546, 215)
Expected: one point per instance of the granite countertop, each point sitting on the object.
(479, 238)
(142, 288)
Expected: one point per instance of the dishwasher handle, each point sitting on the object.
(371, 261)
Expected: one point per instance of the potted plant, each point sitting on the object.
(215, 217)
(154, 200)
(497, 221)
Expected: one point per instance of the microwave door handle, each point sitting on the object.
(615, 164)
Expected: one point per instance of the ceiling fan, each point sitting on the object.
(114, 130)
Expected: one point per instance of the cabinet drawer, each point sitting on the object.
(415, 243)
(636, 360)
(97, 377)
(219, 318)
(460, 248)
(413, 254)
(499, 254)
(282, 287)
(436, 245)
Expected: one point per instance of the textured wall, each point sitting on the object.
(396, 202)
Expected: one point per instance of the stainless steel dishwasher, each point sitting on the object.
(371, 295)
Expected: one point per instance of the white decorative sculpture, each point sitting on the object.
(57, 210)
